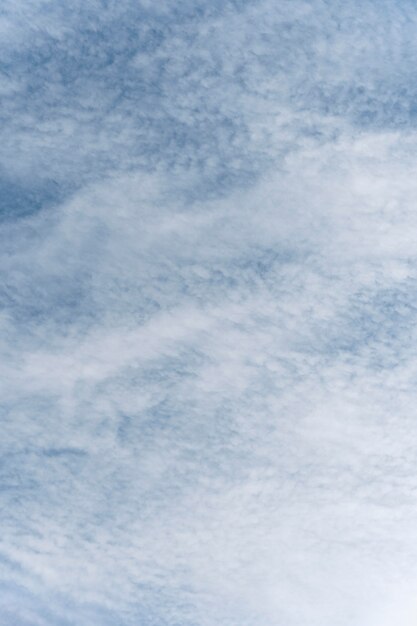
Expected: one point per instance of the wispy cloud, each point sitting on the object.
(208, 332)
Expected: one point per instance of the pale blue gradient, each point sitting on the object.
(208, 237)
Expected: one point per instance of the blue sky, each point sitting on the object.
(208, 374)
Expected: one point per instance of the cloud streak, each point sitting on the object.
(208, 337)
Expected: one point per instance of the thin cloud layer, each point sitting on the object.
(208, 336)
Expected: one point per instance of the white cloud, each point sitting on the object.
(209, 394)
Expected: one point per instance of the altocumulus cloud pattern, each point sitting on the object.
(208, 256)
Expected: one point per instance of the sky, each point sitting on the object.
(208, 259)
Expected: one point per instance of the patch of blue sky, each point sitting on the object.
(105, 88)
(27, 609)
(379, 323)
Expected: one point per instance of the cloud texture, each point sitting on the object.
(208, 378)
